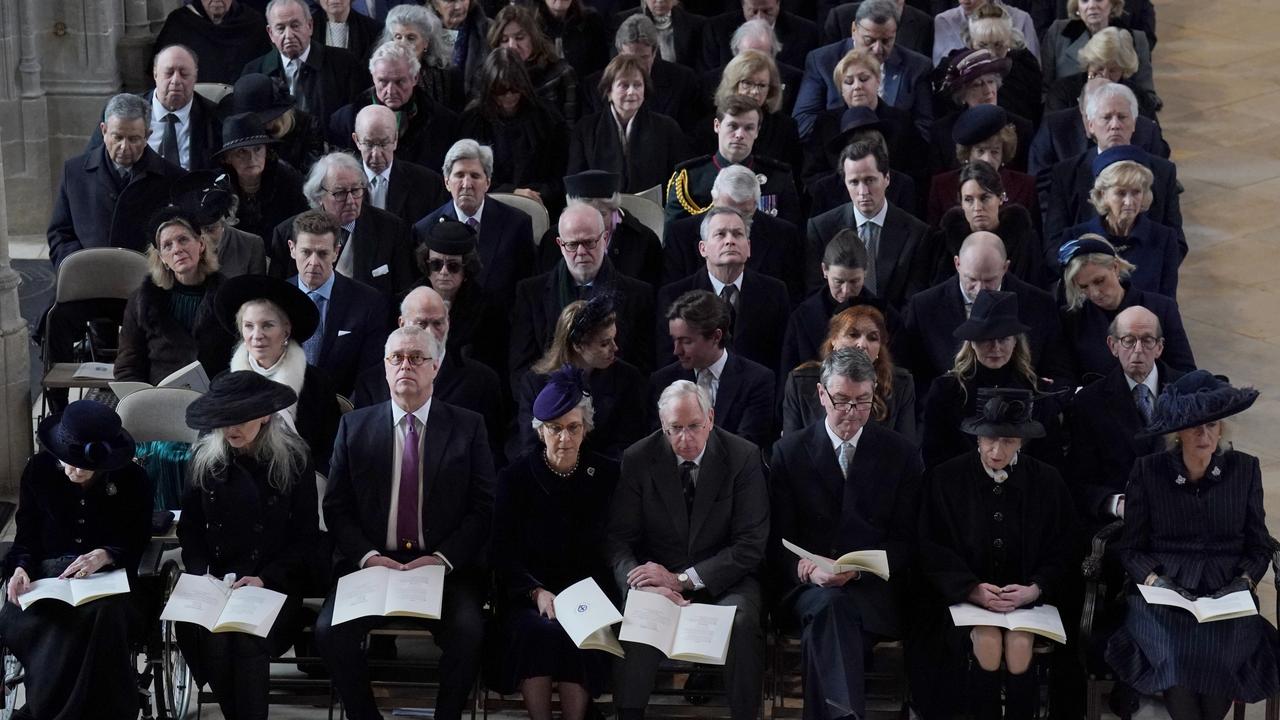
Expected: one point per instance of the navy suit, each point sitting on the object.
(905, 85)
(413, 190)
(328, 79)
(1085, 332)
(915, 27)
(355, 329)
(1062, 135)
(505, 244)
(744, 401)
(758, 321)
(902, 261)
(797, 35)
(775, 251)
(383, 257)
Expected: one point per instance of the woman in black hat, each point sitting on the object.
(84, 506)
(298, 134)
(549, 530)
(967, 79)
(984, 206)
(450, 264)
(250, 511)
(991, 535)
(983, 133)
(208, 196)
(169, 321)
(270, 191)
(273, 320)
(1194, 523)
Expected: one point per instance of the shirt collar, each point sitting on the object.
(836, 440)
(325, 289)
(462, 217)
(302, 59)
(878, 218)
(370, 174)
(1152, 381)
(421, 413)
(696, 461)
(717, 367)
(158, 111)
(719, 286)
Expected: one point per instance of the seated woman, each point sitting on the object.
(1109, 54)
(894, 404)
(1194, 523)
(972, 78)
(83, 506)
(420, 29)
(1121, 196)
(1064, 39)
(299, 139)
(984, 206)
(268, 190)
(844, 268)
(626, 137)
(991, 533)
(450, 264)
(679, 29)
(250, 510)
(990, 27)
(584, 339)
(579, 33)
(462, 37)
(274, 319)
(1095, 281)
(169, 321)
(755, 75)
(549, 531)
(983, 133)
(554, 80)
(208, 196)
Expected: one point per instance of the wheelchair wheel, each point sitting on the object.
(176, 684)
(13, 676)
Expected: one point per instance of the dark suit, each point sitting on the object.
(204, 129)
(1084, 331)
(1062, 135)
(797, 35)
(915, 27)
(457, 506)
(355, 329)
(362, 33)
(413, 190)
(744, 401)
(424, 138)
(902, 259)
(758, 321)
(828, 192)
(383, 257)
(634, 250)
(655, 144)
(774, 251)
(817, 508)
(905, 85)
(686, 26)
(327, 80)
(505, 244)
(722, 539)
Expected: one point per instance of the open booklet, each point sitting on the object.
(1206, 609)
(1042, 620)
(875, 562)
(76, 591)
(695, 633)
(214, 606)
(94, 371)
(587, 614)
(188, 377)
(381, 591)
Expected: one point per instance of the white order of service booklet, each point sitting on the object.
(211, 603)
(1042, 620)
(587, 616)
(381, 591)
(695, 633)
(875, 562)
(76, 591)
(1206, 609)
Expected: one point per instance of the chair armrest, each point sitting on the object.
(1092, 564)
(149, 563)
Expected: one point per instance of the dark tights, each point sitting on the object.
(1184, 704)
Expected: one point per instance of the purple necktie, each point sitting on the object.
(407, 508)
(474, 224)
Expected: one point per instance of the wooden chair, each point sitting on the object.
(532, 208)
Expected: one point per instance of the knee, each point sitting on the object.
(987, 647)
(1018, 649)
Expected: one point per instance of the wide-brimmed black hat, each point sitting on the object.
(1003, 412)
(994, 315)
(1194, 399)
(236, 397)
(87, 435)
(303, 315)
(243, 130)
(262, 95)
(852, 121)
(450, 237)
(592, 184)
(565, 388)
(205, 193)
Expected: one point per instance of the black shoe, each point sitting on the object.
(1123, 701)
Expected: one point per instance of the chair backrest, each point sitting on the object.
(532, 208)
(158, 414)
(649, 213)
(653, 194)
(96, 273)
(344, 405)
(214, 92)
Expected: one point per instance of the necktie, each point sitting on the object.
(376, 196)
(169, 144)
(346, 257)
(291, 70)
(312, 346)
(474, 224)
(705, 381)
(1142, 397)
(687, 470)
(870, 234)
(729, 294)
(845, 456)
(407, 507)
(125, 176)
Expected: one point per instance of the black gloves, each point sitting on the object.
(1236, 585)
(1165, 582)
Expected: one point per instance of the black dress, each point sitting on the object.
(1202, 535)
(549, 533)
(1017, 230)
(77, 659)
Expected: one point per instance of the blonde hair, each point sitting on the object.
(743, 66)
(988, 20)
(161, 275)
(1110, 47)
(856, 57)
(1123, 174)
(965, 367)
(1123, 268)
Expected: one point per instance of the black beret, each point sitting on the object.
(978, 123)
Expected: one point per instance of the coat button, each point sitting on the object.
(80, 521)
(997, 543)
(998, 517)
(998, 489)
(257, 527)
(79, 541)
(82, 502)
(253, 555)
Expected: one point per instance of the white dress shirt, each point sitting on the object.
(182, 128)
(292, 77)
(378, 194)
(716, 369)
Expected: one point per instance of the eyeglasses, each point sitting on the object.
(1129, 341)
(677, 430)
(344, 193)
(374, 145)
(573, 245)
(452, 266)
(572, 429)
(414, 360)
(848, 405)
(746, 86)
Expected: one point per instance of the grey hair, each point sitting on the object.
(1095, 100)
(1114, 327)
(591, 210)
(415, 334)
(878, 12)
(680, 388)
(851, 363)
(306, 11)
(427, 24)
(636, 29)
(611, 203)
(277, 446)
(756, 27)
(588, 414)
(311, 188)
(704, 227)
(737, 182)
(127, 107)
(396, 52)
(468, 149)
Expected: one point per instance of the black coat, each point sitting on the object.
(674, 91)
(915, 27)
(529, 149)
(381, 243)
(413, 191)
(775, 245)
(634, 250)
(908, 151)
(355, 329)
(329, 79)
(617, 393)
(1084, 331)
(556, 84)
(801, 406)
(807, 324)
(654, 146)
(584, 37)
(1021, 243)
(318, 415)
(828, 192)
(797, 35)
(223, 48)
(1061, 135)
(505, 244)
(153, 344)
(424, 139)
(744, 401)
(759, 320)
(688, 192)
(303, 145)
(951, 400)
(205, 133)
(687, 27)
(278, 200)
(902, 261)
(362, 33)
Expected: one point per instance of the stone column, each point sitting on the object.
(15, 393)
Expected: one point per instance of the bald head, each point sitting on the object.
(981, 263)
(582, 242)
(425, 308)
(174, 72)
(580, 216)
(375, 136)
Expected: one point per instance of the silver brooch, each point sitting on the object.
(1216, 471)
(1180, 480)
(762, 178)
(111, 488)
(591, 472)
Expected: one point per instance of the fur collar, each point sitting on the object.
(291, 370)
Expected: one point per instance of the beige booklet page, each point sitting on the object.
(696, 633)
(381, 591)
(214, 606)
(76, 591)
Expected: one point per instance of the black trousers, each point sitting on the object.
(834, 646)
(459, 633)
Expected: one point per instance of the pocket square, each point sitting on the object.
(343, 332)
(381, 270)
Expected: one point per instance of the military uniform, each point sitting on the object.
(689, 189)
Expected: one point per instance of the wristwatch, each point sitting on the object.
(685, 583)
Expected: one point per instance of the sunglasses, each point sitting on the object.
(453, 267)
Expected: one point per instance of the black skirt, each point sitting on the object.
(537, 647)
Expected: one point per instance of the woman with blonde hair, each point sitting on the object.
(1064, 39)
(990, 27)
(1108, 54)
(754, 74)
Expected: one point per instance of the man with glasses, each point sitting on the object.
(689, 522)
(405, 189)
(411, 484)
(839, 485)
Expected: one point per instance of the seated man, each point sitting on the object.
(411, 484)
(915, 26)
(797, 34)
(839, 485)
(225, 34)
(634, 249)
(710, 553)
(405, 189)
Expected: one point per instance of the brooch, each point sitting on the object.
(591, 472)
(111, 489)
(762, 178)
(1216, 471)
(1180, 480)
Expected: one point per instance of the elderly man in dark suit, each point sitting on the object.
(898, 256)
(758, 304)
(407, 190)
(634, 248)
(411, 484)
(839, 485)
(797, 35)
(337, 25)
(374, 243)
(741, 391)
(109, 193)
(915, 26)
(690, 520)
(686, 31)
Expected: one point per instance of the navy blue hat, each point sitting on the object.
(1120, 153)
(978, 123)
(236, 397)
(855, 120)
(994, 315)
(562, 393)
(597, 184)
(1085, 245)
(87, 435)
(450, 237)
(1194, 399)
(1003, 412)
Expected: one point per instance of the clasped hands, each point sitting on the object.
(808, 571)
(1003, 599)
(387, 562)
(654, 578)
(1235, 585)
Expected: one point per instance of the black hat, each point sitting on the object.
(562, 393)
(87, 435)
(852, 121)
(592, 316)
(450, 237)
(172, 212)
(1194, 399)
(1084, 246)
(964, 66)
(303, 315)
(994, 315)
(243, 130)
(978, 123)
(1003, 412)
(205, 193)
(261, 95)
(597, 184)
(236, 397)
(1120, 153)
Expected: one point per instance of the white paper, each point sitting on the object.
(250, 609)
(46, 589)
(651, 619)
(190, 377)
(586, 613)
(361, 594)
(702, 635)
(77, 591)
(1205, 609)
(875, 562)
(196, 599)
(1041, 620)
(95, 371)
(380, 591)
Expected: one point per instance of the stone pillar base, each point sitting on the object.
(15, 394)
